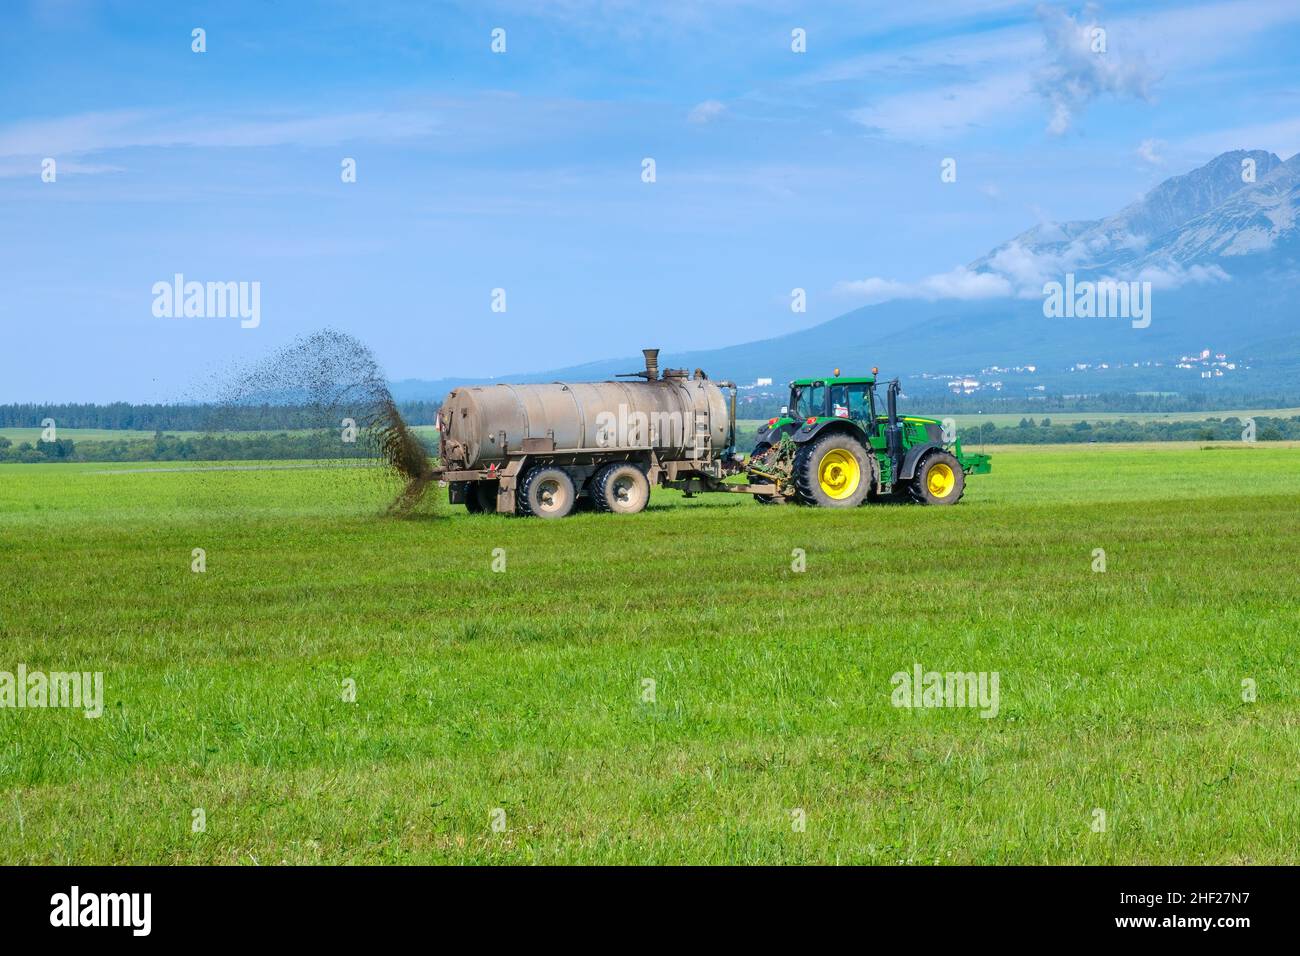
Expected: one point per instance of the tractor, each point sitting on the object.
(834, 447)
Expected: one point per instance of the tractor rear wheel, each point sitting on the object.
(620, 488)
(939, 480)
(832, 472)
(547, 492)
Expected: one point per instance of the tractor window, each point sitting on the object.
(859, 403)
(839, 401)
(809, 401)
(850, 401)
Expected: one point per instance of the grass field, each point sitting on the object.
(524, 690)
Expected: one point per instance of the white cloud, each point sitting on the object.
(706, 112)
(122, 129)
(960, 283)
(1026, 269)
(927, 114)
(1085, 64)
(19, 170)
(1171, 275)
(1149, 150)
(1001, 68)
(981, 51)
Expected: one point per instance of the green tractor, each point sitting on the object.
(833, 447)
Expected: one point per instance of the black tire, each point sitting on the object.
(547, 492)
(481, 497)
(464, 490)
(472, 503)
(939, 480)
(620, 488)
(486, 494)
(761, 449)
(823, 476)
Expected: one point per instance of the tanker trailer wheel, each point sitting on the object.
(547, 492)
(620, 488)
(939, 480)
(464, 490)
(833, 472)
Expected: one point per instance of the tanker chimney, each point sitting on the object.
(651, 372)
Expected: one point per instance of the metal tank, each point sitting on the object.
(674, 416)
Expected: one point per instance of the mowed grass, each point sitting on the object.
(524, 690)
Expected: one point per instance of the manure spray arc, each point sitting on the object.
(331, 378)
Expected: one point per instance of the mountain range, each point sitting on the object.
(1220, 247)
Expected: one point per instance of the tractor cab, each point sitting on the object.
(853, 399)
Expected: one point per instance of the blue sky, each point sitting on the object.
(478, 170)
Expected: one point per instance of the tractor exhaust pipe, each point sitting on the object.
(893, 434)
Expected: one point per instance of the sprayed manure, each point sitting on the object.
(340, 400)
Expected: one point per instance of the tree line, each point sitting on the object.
(253, 446)
(1044, 432)
(190, 418)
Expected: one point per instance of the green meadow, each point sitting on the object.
(341, 686)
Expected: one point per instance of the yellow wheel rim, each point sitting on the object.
(839, 473)
(940, 479)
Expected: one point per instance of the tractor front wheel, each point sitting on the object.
(939, 480)
(833, 472)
